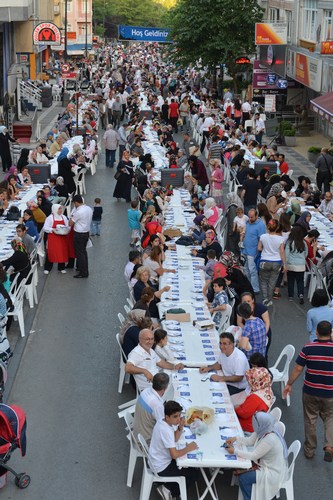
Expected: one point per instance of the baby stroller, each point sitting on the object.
(12, 436)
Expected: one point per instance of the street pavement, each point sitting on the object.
(68, 377)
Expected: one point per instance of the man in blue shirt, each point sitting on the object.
(254, 229)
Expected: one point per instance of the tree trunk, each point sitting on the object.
(234, 78)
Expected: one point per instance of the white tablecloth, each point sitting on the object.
(190, 389)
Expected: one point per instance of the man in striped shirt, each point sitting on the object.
(317, 357)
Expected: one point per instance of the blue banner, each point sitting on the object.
(139, 33)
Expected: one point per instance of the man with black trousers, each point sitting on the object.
(324, 166)
(81, 218)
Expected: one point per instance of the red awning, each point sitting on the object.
(323, 106)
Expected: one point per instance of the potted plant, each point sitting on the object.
(288, 132)
(313, 153)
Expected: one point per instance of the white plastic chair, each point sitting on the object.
(276, 412)
(135, 451)
(17, 295)
(121, 318)
(80, 182)
(127, 309)
(282, 376)
(281, 428)
(288, 484)
(130, 302)
(31, 289)
(123, 377)
(149, 476)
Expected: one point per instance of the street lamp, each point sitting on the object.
(66, 26)
(86, 33)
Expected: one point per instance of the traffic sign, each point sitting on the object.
(65, 68)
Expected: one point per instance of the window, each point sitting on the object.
(289, 21)
(84, 4)
(69, 5)
(309, 19)
(274, 14)
(327, 25)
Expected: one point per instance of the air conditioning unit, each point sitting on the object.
(56, 9)
(12, 100)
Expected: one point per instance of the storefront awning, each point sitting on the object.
(323, 106)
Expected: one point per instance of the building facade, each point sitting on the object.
(307, 56)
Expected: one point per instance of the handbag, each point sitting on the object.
(117, 175)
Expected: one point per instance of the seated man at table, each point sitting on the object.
(233, 362)
(149, 407)
(163, 452)
(326, 206)
(144, 363)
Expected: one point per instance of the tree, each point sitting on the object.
(110, 13)
(213, 32)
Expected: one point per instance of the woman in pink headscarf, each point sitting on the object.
(211, 212)
(260, 398)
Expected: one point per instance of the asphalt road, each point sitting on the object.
(67, 380)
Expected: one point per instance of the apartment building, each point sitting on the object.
(306, 60)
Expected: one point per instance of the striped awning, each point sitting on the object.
(323, 106)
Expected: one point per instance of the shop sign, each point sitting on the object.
(271, 34)
(46, 34)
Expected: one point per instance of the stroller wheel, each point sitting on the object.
(22, 481)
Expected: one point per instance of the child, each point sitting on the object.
(209, 267)
(254, 332)
(161, 348)
(220, 299)
(96, 218)
(134, 216)
(195, 204)
(163, 452)
(240, 225)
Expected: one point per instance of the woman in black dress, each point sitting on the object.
(65, 170)
(5, 155)
(125, 170)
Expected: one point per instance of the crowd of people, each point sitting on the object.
(268, 244)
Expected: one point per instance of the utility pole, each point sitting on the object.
(66, 22)
(86, 23)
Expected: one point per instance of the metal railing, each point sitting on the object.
(32, 93)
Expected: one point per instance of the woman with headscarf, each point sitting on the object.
(304, 222)
(263, 178)
(19, 261)
(56, 244)
(125, 174)
(276, 200)
(211, 212)
(209, 243)
(274, 179)
(295, 212)
(5, 155)
(61, 187)
(260, 398)
(269, 455)
(199, 170)
(234, 202)
(23, 160)
(65, 170)
(129, 332)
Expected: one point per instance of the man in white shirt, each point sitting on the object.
(259, 128)
(144, 363)
(81, 218)
(134, 258)
(150, 406)
(207, 123)
(233, 362)
(326, 206)
(246, 111)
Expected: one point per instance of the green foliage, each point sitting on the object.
(314, 149)
(110, 13)
(287, 129)
(213, 31)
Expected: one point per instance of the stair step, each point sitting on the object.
(22, 131)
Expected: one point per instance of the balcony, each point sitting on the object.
(15, 10)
